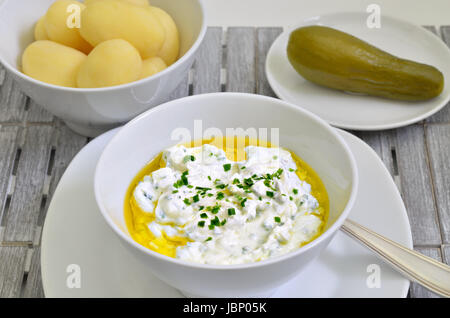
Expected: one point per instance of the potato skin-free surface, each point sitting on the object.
(338, 60)
(52, 63)
(115, 19)
(39, 30)
(135, 2)
(113, 62)
(171, 47)
(58, 30)
(152, 66)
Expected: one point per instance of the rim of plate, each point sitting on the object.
(310, 21)
(329, 232)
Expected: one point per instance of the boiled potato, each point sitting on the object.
(39, 30)
(135, 2)
(171, 47)
(115, 19)
(56, 25)
(52, 63)
(110, 63)
(152, 66)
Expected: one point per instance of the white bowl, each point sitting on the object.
(93, 111)
(300, 131)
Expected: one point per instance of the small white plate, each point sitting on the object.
(75, 233)
(360, 112)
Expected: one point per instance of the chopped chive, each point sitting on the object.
(291, 170)
(269, 194)
(236, 181)
(243, 167)
(295, 191)
(220, 196)
(201, 223)
(204, 216)
(231, 211)
(215, 209)
(201, 207)
(277, 219)
(195, 198)
(190, 186)
(209, 178)
(221, 186)
(186, 201)
(223, 222)
(175, 191)
(243, 202)
(291, 198)
(227, 166)
(208, 239)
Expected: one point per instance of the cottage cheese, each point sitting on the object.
(229, 212)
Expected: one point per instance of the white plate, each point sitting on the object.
(361, 112)
(75, 233)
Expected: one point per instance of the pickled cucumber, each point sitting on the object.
(338, 60)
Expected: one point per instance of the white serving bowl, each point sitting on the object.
(304, 133)
(93, 111)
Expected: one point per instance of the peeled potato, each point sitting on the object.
(171, 47)
(115, 19)
(56, 25)
(110, 63)
(135, 2)
(152, 66)
(39, 30)
(52, 63)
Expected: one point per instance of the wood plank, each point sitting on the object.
(438, 141)
(416, 290)
(33, 285)
(37, 114)
(206, 76)
(446, 252)
(12, 266)
(67, 146)
(12, 101)
(8, 149)
(27, 196)
(443, 116)
(416, 185)
(241, 60)
(264, 40)
(384, 144)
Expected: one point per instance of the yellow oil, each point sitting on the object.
(137, 220)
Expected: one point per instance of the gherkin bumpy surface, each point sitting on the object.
(335, 59)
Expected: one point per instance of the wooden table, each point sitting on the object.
(36, 148)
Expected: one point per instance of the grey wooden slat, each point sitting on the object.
(416, 185)
(33, 286)
(12, 101)
(264, 39)
(209, 63)
(416, 290)
(67, 146)
(12, 263)
(2, 74)
(443, 116)
(241, 60)
(438, 140)
(27, 196)
(37, 114)
(8, 143)
(446, 251)
(383, 143)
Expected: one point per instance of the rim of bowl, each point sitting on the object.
(329, 232)
(185, 56)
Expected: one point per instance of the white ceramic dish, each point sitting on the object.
(300, 131)
(359, 112)
(107, 270)
(93, 111)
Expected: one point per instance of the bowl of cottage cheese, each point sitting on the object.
(226, 194)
